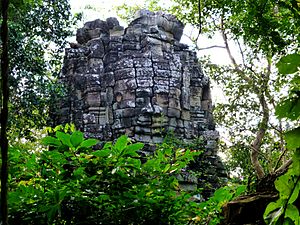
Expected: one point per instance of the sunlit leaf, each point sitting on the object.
(51, 141)
(293, 213)
(76, 138)
(89, 143)
(121, 143)
(64, 138)
(289, 64)
(101, 153)
(289, 108)
(292, 138)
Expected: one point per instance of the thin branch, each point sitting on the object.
(213, 46)
(225, 38)
(280, 158)
(232, 59)
(243, 58)
(200, 22)
(260, 153)
(241, 51)
(284, 167)
(282, 143)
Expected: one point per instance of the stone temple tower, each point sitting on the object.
(140, 81)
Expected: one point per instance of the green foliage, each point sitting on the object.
(73, 184)
(38, 33)
(211, 209)
(289, 64)
(284, 210)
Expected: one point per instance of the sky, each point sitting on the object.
(102, 8)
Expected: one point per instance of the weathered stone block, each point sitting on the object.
(142, 62)
(162, 73)
(122, 74)
(173, 112)
(161, 89)
(174, 103)
(95, 66)
(92, 99)
(161, 81)
(96, 48)
(125, 84)
(144, 73)
(144, 92)
(144, 83)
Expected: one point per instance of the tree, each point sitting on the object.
(262, 31)
(4, 111)
(38, 33)
(34, 26)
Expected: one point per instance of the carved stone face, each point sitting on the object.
(141, 82)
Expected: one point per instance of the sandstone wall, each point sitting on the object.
(140, 81)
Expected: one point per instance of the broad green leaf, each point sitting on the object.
(240, 190)
(289, 64)
(79, 171)
(296, 190)
(107, 145)
(89, 143)
(296, 163)
(135, 147)
(121, 143)
(131, 150)
(293, 213)
(284, 185)
(287, 221)
(289, 108)
(101, 153)
(51, 141)
(292, 138)
(273, 217)
(272, 207)
(222, 195)
(76, 138)
(64, 138)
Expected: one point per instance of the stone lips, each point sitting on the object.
(140, 81)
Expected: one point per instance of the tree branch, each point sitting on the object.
(213, 46)
(284, 167)
(200, 22)
(232, 59)
(256, 144)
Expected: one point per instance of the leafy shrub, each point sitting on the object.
(73, 184)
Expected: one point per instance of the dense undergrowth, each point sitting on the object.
(66, 181)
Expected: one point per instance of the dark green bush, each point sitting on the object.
(73, 184)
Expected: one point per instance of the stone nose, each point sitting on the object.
(151, 110)
(148, 109)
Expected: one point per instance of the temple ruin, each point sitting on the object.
(139, 81)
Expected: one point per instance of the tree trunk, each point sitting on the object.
(4, 112)
(259, 138)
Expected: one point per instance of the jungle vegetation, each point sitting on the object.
(74, 184)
